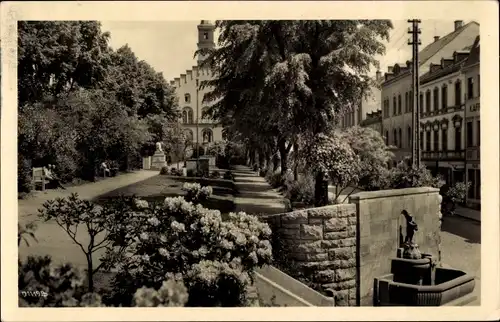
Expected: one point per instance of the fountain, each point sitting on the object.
(416, 279)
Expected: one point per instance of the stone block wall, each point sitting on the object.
(379, 218)
(321, 243)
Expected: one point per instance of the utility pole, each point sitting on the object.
(415, 42)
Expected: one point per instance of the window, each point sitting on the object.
(187, 115)
(400, 140)
(428, 140)
(410, 101)
(478, 133)
(408, 139)
(436, 140)
(470, 143)
(444, 139)
(187, 98)
(436, 99)
(428, 101)
(478, 85)
(421, 140)
(421, 103)
(470, 87)
(406, 102)
(207, 135)
(395, 138)
(205, 35)
(394, 105)
(458, 138)
(399, 105)
(444, 97)
(458, 93)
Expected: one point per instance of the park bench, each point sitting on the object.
(39, 177)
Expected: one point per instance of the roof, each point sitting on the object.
(430, 50)
(433, 48)
(432, 75)
(474, 54)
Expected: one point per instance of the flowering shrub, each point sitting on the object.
(164, 170)
(178, 236)
(43, 284)
(195, 193)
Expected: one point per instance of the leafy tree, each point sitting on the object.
(55, 57)
(294, 78)
(332, 159)
(374, 155)
(109, 228)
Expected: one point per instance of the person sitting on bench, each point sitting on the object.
(105, 169)
(51, 176)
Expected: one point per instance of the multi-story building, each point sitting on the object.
(471, 78)
(397, 95)
(368, 104)
(442, 139)
(201, 129)
(373, 120)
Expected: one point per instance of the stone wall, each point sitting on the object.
(379, 218)
(340, 249)
(321, 242)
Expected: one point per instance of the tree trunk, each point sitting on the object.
(321, 190)
(283, 156)
(296, 165)
(90, 275)
(275, 162)
(261, 159)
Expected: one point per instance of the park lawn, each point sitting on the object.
(157, 188)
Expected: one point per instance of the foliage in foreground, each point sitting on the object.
(171, 254)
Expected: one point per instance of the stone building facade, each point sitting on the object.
(397, 95)
(471, 76)
(202, 129)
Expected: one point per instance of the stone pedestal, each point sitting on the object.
(158, 160)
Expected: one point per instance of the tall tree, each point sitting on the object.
(296, 77)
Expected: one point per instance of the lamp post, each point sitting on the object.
(197, 135)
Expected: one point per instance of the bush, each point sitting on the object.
(458, 192)
(301, 190)
(190, 173)
(215, 257)
(195, 193)
(262, 172)
(176, 172)
(274, 178)
(215, 175)
(228, 175)
(164, 171)
(24, 171)
(404, 176)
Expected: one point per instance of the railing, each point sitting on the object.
(443, 155)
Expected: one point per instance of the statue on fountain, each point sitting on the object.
(410, 248)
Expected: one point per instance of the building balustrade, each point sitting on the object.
(443, 155)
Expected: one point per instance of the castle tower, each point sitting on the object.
(205, 37)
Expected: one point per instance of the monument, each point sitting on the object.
(159, 159)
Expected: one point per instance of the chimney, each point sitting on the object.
(378, 74)
(458, 24)
(436, 38)
(389, 69)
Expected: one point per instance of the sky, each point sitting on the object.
(169, 46)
